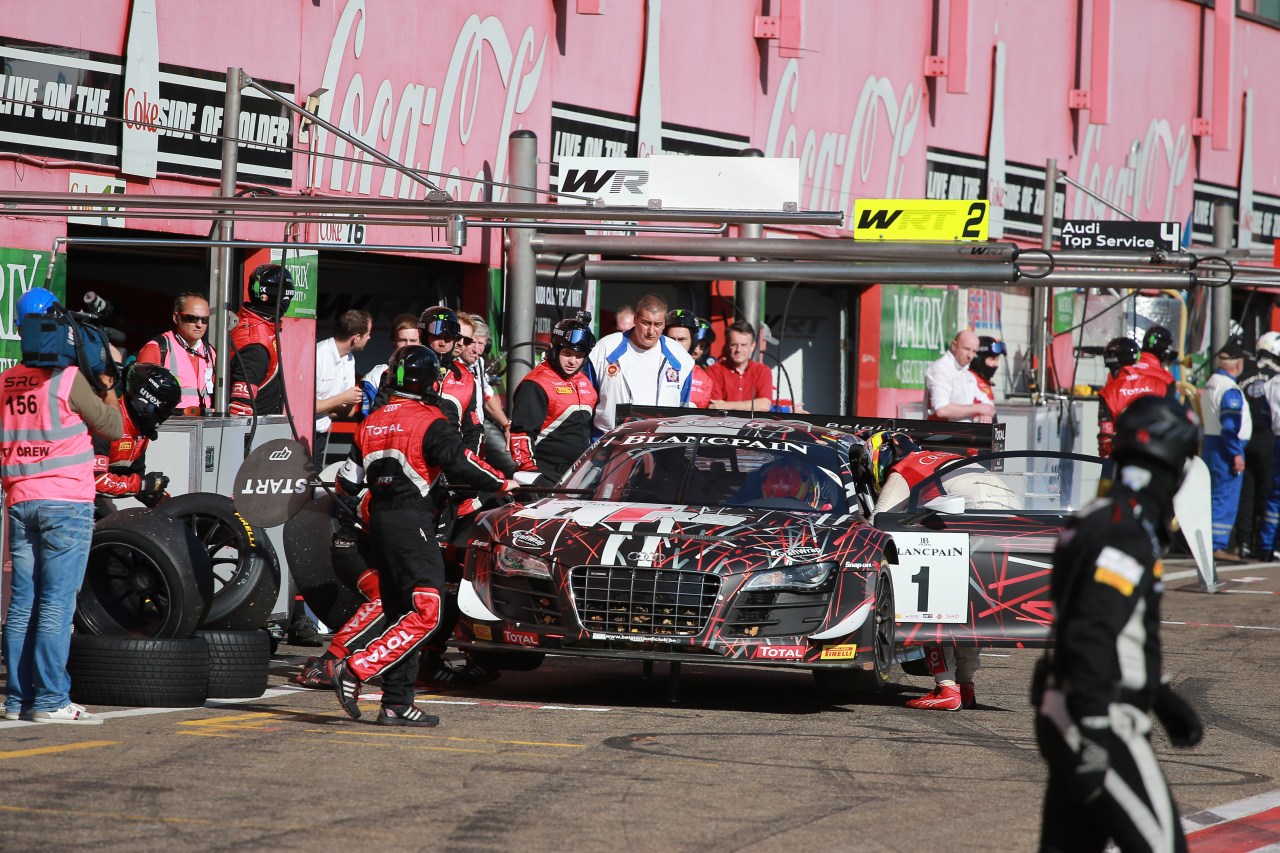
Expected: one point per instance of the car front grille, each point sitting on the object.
(523, 599)
(776, 614)
(656, 602)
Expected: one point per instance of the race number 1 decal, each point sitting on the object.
(931, 577)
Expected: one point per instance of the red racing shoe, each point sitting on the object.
(313, 675)
(968, 698)
(944, 697)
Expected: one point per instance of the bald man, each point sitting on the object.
(950, 389)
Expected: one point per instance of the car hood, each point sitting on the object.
(673, 536)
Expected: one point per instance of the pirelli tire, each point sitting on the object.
(239, 663)
(141, 673)
(146, 576)
(308, 547)
(245, 568)
(879, 632)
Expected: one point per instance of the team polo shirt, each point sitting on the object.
(727, 384)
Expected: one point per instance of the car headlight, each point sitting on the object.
(509, 561)
(805, 578)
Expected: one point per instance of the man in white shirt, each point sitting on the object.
(950, 389)
(337, 393)
(639, 366)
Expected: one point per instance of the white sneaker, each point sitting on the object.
(15, 715)
(71, 713)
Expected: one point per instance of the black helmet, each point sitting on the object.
(1120, 352)
(987, 347)
(269, 283)
(574, 334)
(414, 371)
(704, 334)
(151, 393)
(1156, 430)
(440, 322)
(1159, 342)
(682, 318)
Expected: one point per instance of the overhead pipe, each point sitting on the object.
(797, 271)
(202, 243)
(771, 248)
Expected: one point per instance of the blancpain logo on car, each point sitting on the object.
(927, 551)
(795, 553)
(525, 539)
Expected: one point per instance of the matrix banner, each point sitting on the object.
(21, 270)
(917, 324)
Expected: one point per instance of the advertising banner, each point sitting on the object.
(917, 324)
(304, 266)
(21, 270)
(733, 183)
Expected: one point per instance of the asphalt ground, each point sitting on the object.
(589, 755)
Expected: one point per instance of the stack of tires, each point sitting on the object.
(173, 607)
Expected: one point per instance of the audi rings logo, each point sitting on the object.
(644, 556)
(525, 539)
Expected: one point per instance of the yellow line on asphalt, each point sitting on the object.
(446, 737)
(49, 750)
(365, 743)
(222, 721)
(114, 815)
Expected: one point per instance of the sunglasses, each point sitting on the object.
(466, 342)
(194, 318)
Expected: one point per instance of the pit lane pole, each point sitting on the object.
(1040, 300)
(222, 258)
(1220, 320)
(520, 286)
(749, 294)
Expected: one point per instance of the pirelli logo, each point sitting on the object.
(920, 220)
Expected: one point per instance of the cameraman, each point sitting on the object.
(46, 471)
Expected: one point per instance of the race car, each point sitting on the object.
(674, 539)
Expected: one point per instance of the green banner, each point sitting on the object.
(304, 266)
(917, 324)
(21, 270)
(1064, 310)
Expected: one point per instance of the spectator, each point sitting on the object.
(337, 394)
(185, 353)
(985, 364)
(682, 325)
(442, 333)
(638, 366)
(404, 332)
(150, 395)
(257, 386)
(47, 414)
(553, 406)
(738, 382)
(1227, 429)
(493, 420)
(625, 318)
(951, 390)
(1096, 687)
(1255, 485)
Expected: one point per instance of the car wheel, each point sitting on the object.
(509, 661)
(139, 673)
(239, 663)
(145, 577)
(881, 636)
(308, 539)
(246, 571)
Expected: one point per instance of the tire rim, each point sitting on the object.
(221, 542)
(884, 627)
(130, 588)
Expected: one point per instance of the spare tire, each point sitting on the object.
(145, 577)
(246, 571)
(138, 673)
(308, 541)
(239, 663)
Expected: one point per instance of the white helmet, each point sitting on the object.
(1268, 348)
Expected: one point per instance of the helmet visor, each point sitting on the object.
(440, 328)
(577, 338)
(998, 348)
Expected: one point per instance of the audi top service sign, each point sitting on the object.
(725, 183)
(1116, 234)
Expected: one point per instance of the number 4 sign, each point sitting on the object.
(931, 577)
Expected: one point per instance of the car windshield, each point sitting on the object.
(713, 470)
(1022, 481)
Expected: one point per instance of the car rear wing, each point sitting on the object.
(931, 435)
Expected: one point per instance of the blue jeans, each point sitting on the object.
(49, 545)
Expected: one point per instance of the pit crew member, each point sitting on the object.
(151, 394)
(257, 385)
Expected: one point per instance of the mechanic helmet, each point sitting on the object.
(37, 300)
(791, 478)
(151, 393)
(704, 334)
(1156, 430)
(440, 322)
(268, 283)
(574, 334)
(682, 318)
(414, 371)
(1159, 342)
(880, 452)
(987, 347)
(1268, 349)
(1120, 352)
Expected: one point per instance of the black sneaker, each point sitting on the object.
(346, 686)
(435, 671)
(406, 715)
(304, 632)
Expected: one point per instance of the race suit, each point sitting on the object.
(701, 386)
(400, 451)
(1227, 429)
(458, 403)
(551, 421)
(119, 465)
(1146, 378)
(984, 387)
(257, 386)
(1103, 677)
(1255, 482)
(1271, 514)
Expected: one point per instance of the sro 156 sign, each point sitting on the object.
(1112, 234)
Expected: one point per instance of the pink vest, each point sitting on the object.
(45, 449)
(190, 372)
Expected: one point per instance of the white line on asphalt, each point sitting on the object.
(1221, 625)
(147, 712)
(1222, 570)
(1230, 811)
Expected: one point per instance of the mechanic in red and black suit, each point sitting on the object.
(257, 385)
(1135, 372)
(151, 393)
(400, 452)
(683, 327)
(986, 363)
(441, 331)
(553, 406)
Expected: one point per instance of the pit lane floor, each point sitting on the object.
(585, 755)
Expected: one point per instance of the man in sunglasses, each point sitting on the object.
(442, 332)
(985, 364)
(185, 353)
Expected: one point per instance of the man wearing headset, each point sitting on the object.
(257, 385)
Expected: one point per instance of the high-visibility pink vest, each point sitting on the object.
(189, 368)
(45, 449)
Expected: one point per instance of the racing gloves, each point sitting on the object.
(1180, 720)
(152, 489)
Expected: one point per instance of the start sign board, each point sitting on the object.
(920, 219)
(1115, 234)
